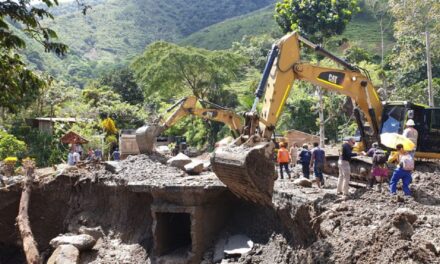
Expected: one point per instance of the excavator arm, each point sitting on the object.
(288, 68)
(247, 168)
(146, 135)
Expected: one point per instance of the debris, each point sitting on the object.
(64, 254)
(238, 245)
(112, 166)
(195, 167)
(179, 161)
(303, 182)
(219, 252)
(82, 242)
(406, 213)
(95, 232)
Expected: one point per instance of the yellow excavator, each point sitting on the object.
(246, 166)
(146, 135)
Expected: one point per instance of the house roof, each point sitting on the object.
(73, 138)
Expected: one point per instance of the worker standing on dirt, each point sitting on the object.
(344, 166)
(317, 163)
(403, 170)
(379, 170)
(304, 159)
(283, 159)
(411, 133)
(70, 158)
(293, 155)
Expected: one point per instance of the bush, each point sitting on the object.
(10, 146)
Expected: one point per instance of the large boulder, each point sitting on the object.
(82, 242)
(64, 254)
(303, 182)
(179, 161)
(195, 167)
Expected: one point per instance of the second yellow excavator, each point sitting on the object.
(246, 166)
(146, 135)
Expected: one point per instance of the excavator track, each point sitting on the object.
(247, 171)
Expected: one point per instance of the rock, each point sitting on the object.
(195, 167)
(219, 253)
(95, 232)
(82, 242)
(207, 165)
(303, 182)
(407, 213)
(431, 247)
(112, 166)
(179, 161)
(238, 245)
(64, 254)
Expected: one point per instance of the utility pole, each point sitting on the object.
(429, 69)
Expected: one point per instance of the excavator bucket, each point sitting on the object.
(249, 172)
(146, 136)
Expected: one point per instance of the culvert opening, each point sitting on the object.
(173, 234)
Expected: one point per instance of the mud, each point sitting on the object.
(304, 225)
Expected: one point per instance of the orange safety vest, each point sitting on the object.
(283, 156)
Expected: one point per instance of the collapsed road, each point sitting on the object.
(143, 211)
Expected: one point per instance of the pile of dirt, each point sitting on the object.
(369, 227)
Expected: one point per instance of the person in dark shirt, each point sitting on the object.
(317, 163)
(116, 155)
(344, 166)
(304, 159)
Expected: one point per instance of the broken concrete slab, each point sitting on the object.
(82, 242)
(64, 254)
(179, 161)
(195, 167)
(238, 245)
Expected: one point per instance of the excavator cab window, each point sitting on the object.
(393, 118)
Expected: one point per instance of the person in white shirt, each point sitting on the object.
(76, 157)
(411, 133)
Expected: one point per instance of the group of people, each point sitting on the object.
(310, 160)
(404, 161)
(315, 160)
(76, 154)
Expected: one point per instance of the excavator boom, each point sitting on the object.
(247, 167)
(146, 135)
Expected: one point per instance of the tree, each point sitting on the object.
(121, 81)
(415, 17)
(167, 70)
(380, 10)
(318, 21)
(19, 85)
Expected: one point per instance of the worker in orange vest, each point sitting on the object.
(283, 158)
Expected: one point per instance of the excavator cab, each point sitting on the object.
(427, 120)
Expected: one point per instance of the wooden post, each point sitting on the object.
(29, 244)
(429, 69)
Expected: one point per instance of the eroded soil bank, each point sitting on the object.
(305, 225)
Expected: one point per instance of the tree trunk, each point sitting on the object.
(29, 244)
(429, 69)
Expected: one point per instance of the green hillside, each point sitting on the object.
(114, 30)
(363, 30)
(223, 34)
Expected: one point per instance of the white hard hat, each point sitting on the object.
(410, 122)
